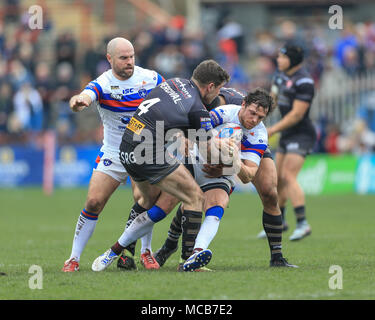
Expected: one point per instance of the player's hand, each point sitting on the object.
(270, 132)
(225, 145)
(78, 103)
(213, 170)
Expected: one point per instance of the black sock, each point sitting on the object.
(174, 231)
(134, 212)
(273, 226)
(191, 223)
(283, 211)
(300, 213)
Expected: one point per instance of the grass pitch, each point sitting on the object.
(38, 230)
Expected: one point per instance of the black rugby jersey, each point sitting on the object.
(299, 86)
(177, 103)
(230, 95)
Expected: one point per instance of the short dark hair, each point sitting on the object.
(209, 71)
(261, 98)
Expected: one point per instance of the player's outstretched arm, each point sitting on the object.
(79, 102)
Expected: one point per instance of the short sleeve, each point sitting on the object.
(160, 79)
(254, 146)
(94, 90)
(219, 116)
(305, 89)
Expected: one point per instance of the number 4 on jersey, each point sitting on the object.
(147, 104)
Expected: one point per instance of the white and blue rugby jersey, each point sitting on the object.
(254, 141)
(117, 100)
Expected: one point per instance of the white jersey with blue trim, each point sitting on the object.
(254, 141)
(117, 100)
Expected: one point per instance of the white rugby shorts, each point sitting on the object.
(109, 163)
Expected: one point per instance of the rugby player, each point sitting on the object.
(117, 94)
(293, 88)
(217, 190)
(175, 104)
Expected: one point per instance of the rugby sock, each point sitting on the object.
(146, 242)
(84, 228)
(191, 223)
(283, 211)
(273, 226)
(134, 212)
(209, 227)
(140, 226)
(174, 231)
(156, 214)
(300, 213)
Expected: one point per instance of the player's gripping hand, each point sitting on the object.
(213, 170)
(228, 149)
(79, 102)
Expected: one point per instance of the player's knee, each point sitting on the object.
(269, 196)
(94, 205)
(197, 197)
(286, 178)
(167, 203)
(149, 201)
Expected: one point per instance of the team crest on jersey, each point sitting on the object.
(107, 162)
(115, 87)
(142, 93)
(289, 84)
(125, 120)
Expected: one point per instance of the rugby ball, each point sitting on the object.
(228, 130)
(225, 131)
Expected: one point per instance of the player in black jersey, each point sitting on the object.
(265, 182)
(175, 104)
(293, 89)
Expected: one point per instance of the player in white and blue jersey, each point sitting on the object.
(217, 187)
(117, 94)
(248, 116)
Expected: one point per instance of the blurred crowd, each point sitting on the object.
(41, 69)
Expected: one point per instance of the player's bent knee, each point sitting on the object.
(269, 197)
(94, 205)
(195, 198)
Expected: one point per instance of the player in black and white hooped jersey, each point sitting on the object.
(293, 88)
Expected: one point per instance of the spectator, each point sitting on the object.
(6, 105)
(170, 62)
(365, 125)
(66, 48)
(44, 85)
(65, 88)
(232, 30)
(28, 108)
(18, 74)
